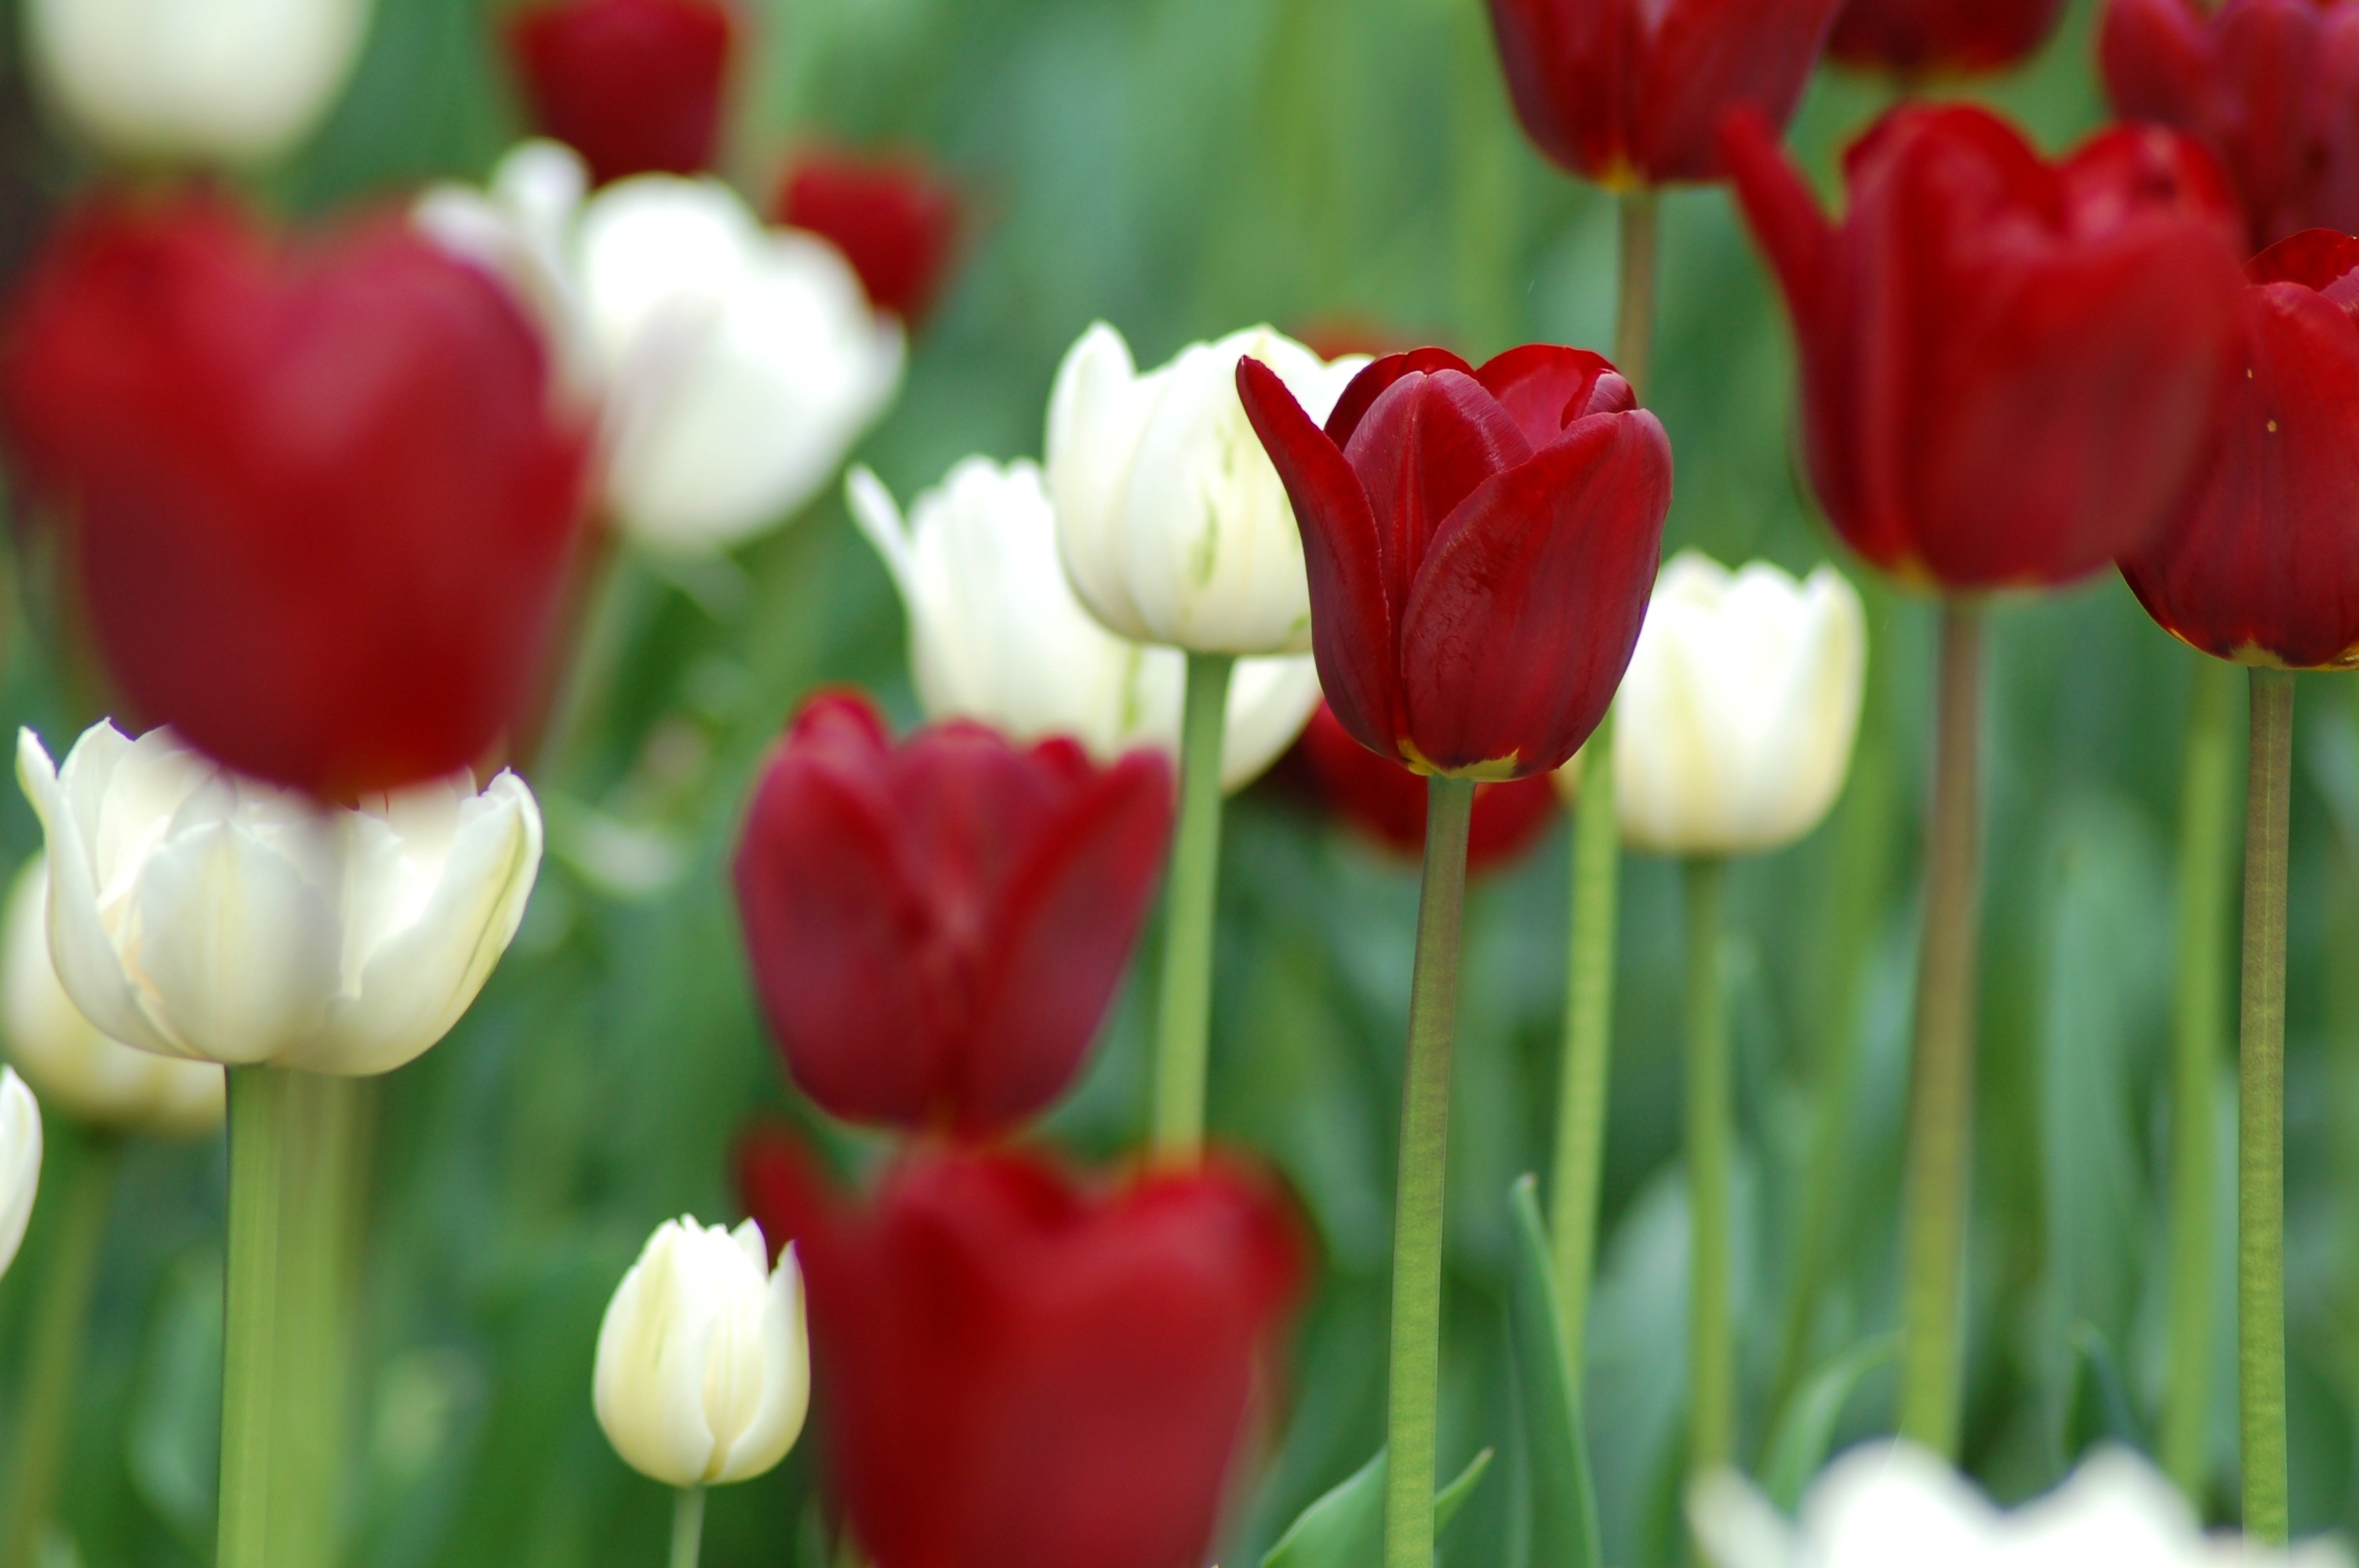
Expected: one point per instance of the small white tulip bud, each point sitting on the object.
(20, 1161)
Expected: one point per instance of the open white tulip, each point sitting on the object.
(1173, 525)
(703, 1372)
(1891, 1503)
(235, 81)
(1734, 728)
(196, 913)
(997, 635)
(79, 1071)
(20, 1161)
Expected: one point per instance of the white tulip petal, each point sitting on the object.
(20, 1162)
(785, 1373)
(1270, 700)
(1098, 410)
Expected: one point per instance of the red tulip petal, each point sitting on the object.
(2317, 259)
(1786, 218)
(634, 86)
(2153, 58)
(1569, 74)
(1424, 446)
(1913, 37)
(1704, 58)
(1371, 383)
(1544, 388)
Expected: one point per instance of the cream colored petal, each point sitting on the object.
(1098, 411)
(784, 1371)
(20, 1162)
(648, 1385)
(1270, 700)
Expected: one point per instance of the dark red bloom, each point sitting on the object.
(1481, 546)
(2273, 85)
(894, 219)
(2261, 564)
(320, 501)
(937, 928)
(1011, 1368)
(1918, 37)
(2010, 367)
(634, 86)
(1386, 801)
(1628, 91)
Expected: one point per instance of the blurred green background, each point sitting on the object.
(1183, 167)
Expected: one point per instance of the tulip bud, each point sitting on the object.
(997, 635)
(206, 80)
(20, 1161)
(196, 913)
(896, 220)
(703, 1372)
(1173, 525)
(1733, 728)
(634, 85)
(80, 1071)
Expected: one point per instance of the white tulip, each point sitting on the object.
(1891, 1503)
(193, 913)
(20, 1161)
(80, 1071)
(1173, 525)
(703, 1372)
(997, 635)
(1734, 728)
(236, 81)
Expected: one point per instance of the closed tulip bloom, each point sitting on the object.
(936, 929)
(196, 913)
(634, 85)
(895, 218)
(82, 1074)
(2041, 403)
(20, 1161)
(997, 635)
(704, 1371)
(1014, 1367)
(1914, 39)
(1174, 527)
(1733, 730)
(1386, 801)
(1629, 92)
(1480, 543)
(201, 81)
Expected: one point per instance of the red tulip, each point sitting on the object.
(2010, 367)
(321, 504)
(1012, 1369)
(894, 219)
(1628, 91)
(1386, 801)
(2272, 84)
(1481, 546)
(632, 85)
(937, 928)
(2261, 564)
(1918, 38)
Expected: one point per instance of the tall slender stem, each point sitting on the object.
(1415, 1388)
(1634, 320)
(1942, 1077)
(250, 1395)
(2260, 1151)
(2206, 791)
(687, 1526)
(1183, 1039)
(1710, 1133)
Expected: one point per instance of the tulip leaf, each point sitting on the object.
(1345, 1529)
(2102, 1410)
(1805, 1432)
(1564, 1499)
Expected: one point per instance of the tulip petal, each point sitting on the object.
(648, 1385)
(1544, 388)
(1098, 410)
(784, 1400)
(1424, 446)
(1784, 216)
(1706, 55)
(1373, 380)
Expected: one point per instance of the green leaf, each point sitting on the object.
(1564, 1501)
(1806, 1429)
(2102, 1410)
(1345, 1529)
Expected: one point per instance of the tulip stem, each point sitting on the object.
(2205, 843)
(1942, 1076)
(1184, 1036)
(687, 1526)
(1588, 1038)
(1415, 1371)
(1710, 1117)
(1633, 322)
(259, 1100)
(2260, 1153)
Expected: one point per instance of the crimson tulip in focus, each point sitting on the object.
(634, 86)
(894, 219)
(1628, 91)
(2261, 564)
(2010, 368)
(1012, 1368)
(1918, 38)
(1387, 801)
(320, 496)
(1480, 544)
(2272, 84)
(937, 928)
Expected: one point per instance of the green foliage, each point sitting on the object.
(1345, 1529)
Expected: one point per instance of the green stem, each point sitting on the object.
(2260, 1151)
(1184, 1037)
(53, 1363)
(1710, 1133)
(1634, 321)
(1588, 1039)
(259, 1100)
(1415, 1371)
(687, 1526)
(1942, 1077)
(2206, 795)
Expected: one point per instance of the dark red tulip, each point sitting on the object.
(319, 503)
(2010, 367)
(937, 928)
(635, 86)
(894, 217)
(2261, 564)
(1628, 91)
(2273, 85)
(1481, 546)
(1386, 801)
(1011, 1368)
(1913, 38)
